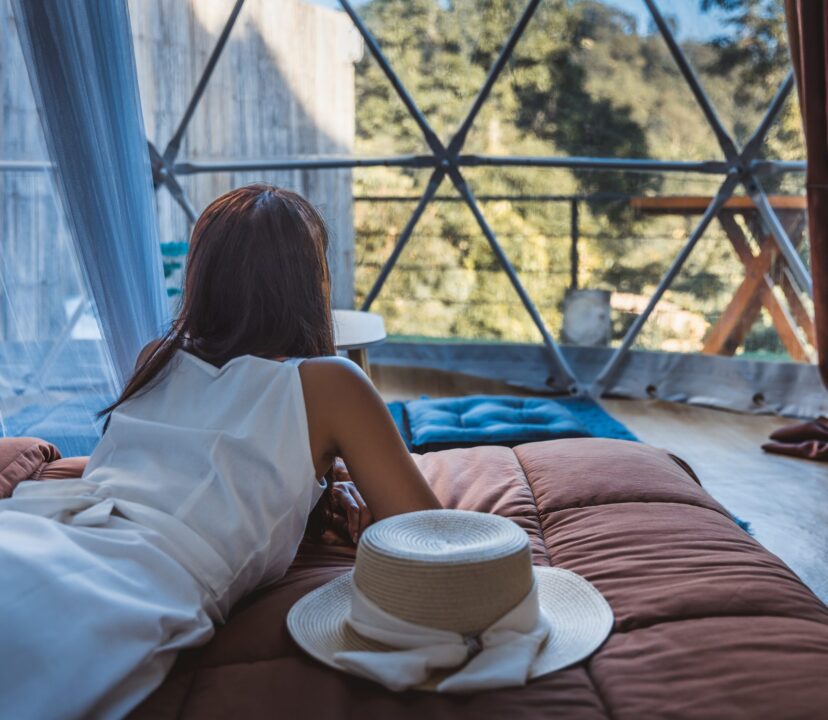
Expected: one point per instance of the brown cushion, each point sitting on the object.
(71, 467)
(23, 459)
(707, 622)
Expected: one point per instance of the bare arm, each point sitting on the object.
(347, 418)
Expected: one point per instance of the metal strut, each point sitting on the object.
(738, 166)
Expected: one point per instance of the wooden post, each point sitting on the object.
(755, 292)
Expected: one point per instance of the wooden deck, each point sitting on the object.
(785, 500)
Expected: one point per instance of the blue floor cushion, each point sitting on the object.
(428, 425)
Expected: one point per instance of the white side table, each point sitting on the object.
(354, 331)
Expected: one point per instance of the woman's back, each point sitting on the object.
(224, 452)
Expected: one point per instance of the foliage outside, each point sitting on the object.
(582, 81)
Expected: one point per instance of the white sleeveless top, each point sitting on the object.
(215, 461)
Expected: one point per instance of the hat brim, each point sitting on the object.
(580, 617)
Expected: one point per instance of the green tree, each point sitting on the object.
(753, 57)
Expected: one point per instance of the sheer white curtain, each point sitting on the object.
(81, 65)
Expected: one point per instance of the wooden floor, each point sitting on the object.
(785, 500)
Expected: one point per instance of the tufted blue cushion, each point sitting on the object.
(488, 420)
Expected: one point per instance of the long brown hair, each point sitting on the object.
(256, 283)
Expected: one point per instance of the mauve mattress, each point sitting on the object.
(708, 624)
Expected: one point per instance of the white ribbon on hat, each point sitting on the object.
(501, 656)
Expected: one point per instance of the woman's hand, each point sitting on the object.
(349, 512)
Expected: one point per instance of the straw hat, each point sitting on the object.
(453, 577)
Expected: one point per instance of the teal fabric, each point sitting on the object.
(72, 426)
(599, 422)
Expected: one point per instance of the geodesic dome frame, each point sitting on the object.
(739, 167)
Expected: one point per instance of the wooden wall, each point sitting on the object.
(283, 86)
(37, 271)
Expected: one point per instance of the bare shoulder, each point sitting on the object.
(333, 370)
(338, 385)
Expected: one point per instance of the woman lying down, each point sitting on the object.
(201, 488)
